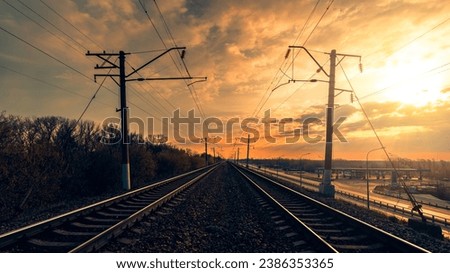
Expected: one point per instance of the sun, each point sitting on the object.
(409, 83)
(417, 93)
(412, 77)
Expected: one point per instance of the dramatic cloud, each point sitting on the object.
(240, 46)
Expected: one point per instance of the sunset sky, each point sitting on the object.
(241, 46)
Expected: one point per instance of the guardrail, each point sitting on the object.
(421, 202)
(380, 204)
(398, 209)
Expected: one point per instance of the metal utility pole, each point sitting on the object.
(248, 150)
(214, 154)
(124, 111)
(206, 151)
(126, 179)
(325, 186)
(237, 158)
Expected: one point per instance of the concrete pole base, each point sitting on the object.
(426, 227)
(326, 189)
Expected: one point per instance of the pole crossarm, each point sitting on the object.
(104, 53)
(167, 78)
(202, 79)
(343, 90)
(106, 75)
(346, 55)
(349, 55)
(154, 59)
(107, 64)
(310, 55)
(106, 60)
(105, 57)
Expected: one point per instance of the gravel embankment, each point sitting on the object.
(218, 215)
(34, 215)
(390, 224)
(394, 226)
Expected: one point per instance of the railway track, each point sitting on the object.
(325, 228)
(89, 228)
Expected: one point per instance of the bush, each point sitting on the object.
(52, 159)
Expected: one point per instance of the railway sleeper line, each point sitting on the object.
(299, 243)
(342, 232)
(303, 238)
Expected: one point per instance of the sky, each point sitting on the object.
(241, 47)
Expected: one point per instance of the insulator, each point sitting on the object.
(287, 53)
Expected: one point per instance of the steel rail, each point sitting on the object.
(396, 243)
(34, 229)
(105, 236)
(319, 243)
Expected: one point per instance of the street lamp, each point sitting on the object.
(278, 164)
(301, 168)
(367, 174)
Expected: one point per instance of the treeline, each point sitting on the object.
(49, 159)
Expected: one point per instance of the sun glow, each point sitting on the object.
(412, 81)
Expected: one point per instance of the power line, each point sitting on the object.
(156, 90)
(155, 107)
(395, 51)
(66, 65)
(192, 91)
(49, 84)
(262, 102)
(183, 64)
(307, 21)
(296, 90)
(148, 101)
(413, 40)
(190, 87)
(304, 43)
(153, 24)
(53, 25)
(37, 23)
(416, 206)
(164, 22)
(147, 51)
(92, 98)
(67, 21)
(413, 77)
(52, 57)
(145, 100)
(65, 34)
(318, 22)
(45, 53)
(90, 39)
